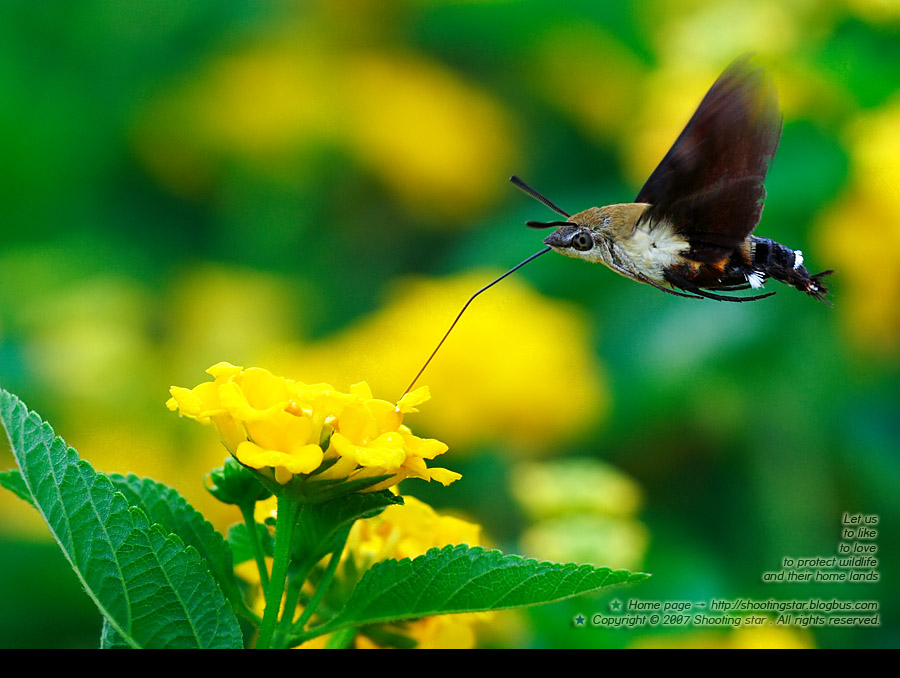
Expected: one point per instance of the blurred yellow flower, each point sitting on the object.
(582, 486)
(518, 368)
(600, 540)
(269, 422)
(263, 313)
(435, 140)
(860, 232)
(86, 336)
(583, 510)
(258, 102)
(875, 153)
(876, 10)
(713, 32)
(407, 531)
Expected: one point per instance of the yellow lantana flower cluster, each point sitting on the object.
(269, 422)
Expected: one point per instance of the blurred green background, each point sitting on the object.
(316, 187)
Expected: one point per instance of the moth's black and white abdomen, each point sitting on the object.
(771, 259)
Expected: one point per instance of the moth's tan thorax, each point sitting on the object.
(614, 220)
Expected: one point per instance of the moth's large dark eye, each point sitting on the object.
(582, 242)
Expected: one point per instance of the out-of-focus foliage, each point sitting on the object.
(317, 187)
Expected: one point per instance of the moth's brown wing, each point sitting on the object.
(710, 183)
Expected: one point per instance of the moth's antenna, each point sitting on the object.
(486, 287)
(537, 196)
(548, 224)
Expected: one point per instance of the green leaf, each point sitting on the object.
(153, 590)
(110, 640)
(460, 578)
(13, 481)
(320, 526)
(164, 505)
(242, 546)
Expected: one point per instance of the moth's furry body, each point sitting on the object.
(657, 253)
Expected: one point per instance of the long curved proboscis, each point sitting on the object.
(471, 299)
(533, 224)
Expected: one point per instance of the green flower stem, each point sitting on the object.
(321, 589)
(258, 554)
(295, 587)
(316, 631)
(284, 532)
(341, 639)
(322, 630)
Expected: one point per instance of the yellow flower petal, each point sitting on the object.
(223, 370)
(409, 400)
(263, 390)
(387, 417)
(427, 448)
(201, 402)
(386, 451)
(279, 430)
(303, 459)
(444, 476)
(362, 390)
(357, 424)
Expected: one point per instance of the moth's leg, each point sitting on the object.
(655, 284)
(685, 284)
(744, 286)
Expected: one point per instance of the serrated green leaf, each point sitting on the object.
(319, 527)
(164, 505)
(13, 481)
(460, 578)
(153, 590)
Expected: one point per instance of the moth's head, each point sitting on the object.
(583, 234)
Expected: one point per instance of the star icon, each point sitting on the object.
(579, 620)
(615, 605)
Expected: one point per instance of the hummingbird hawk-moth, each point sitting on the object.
(690, 229)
